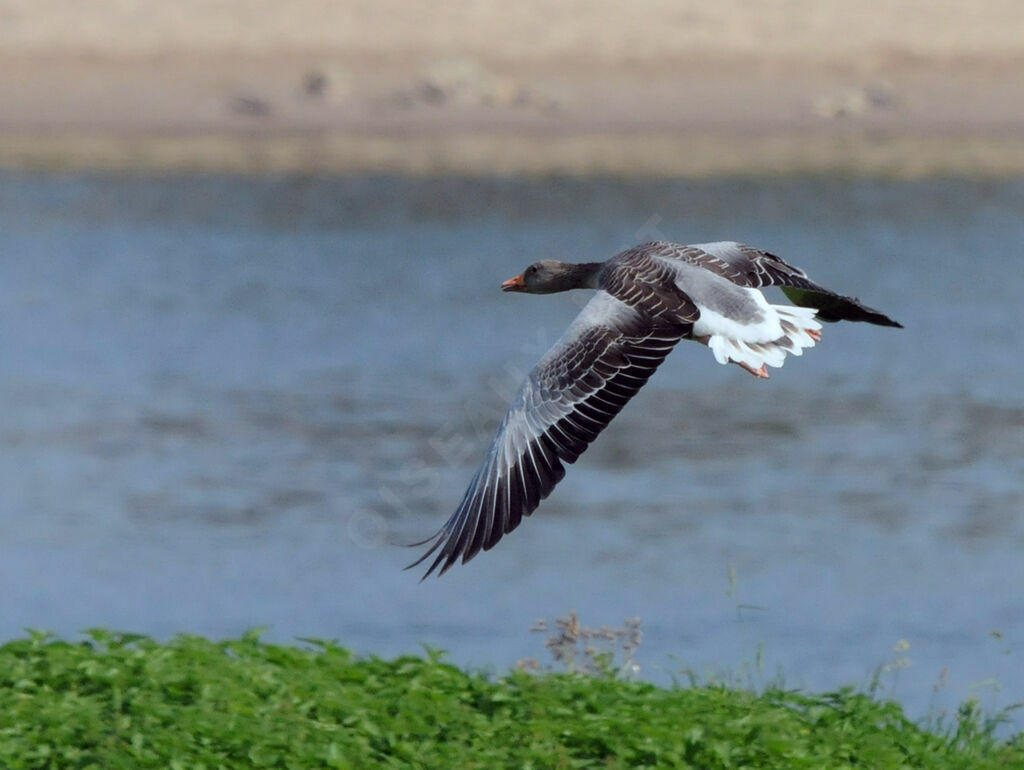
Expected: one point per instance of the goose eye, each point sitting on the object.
(532, 269)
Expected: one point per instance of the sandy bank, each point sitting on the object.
(579, 86)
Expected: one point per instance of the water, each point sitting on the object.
(225, 400)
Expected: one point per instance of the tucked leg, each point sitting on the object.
(761, 371)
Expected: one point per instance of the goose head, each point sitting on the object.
(549, 276)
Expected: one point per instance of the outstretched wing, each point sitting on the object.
(751, 267)
(603, 359)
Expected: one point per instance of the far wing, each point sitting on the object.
(604, 358)
(748, 266)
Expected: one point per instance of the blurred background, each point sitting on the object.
(251, 336)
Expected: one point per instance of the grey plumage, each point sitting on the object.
(648, 299)
(753, 268)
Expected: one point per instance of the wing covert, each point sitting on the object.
(588, 376)
(755, 268)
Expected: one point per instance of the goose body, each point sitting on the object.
(647, 300)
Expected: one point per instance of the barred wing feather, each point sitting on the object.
(754, 268)
(604, 358)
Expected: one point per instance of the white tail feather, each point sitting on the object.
(793, 325)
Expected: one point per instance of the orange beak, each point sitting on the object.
(514, 284)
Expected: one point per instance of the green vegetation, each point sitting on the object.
(125, 701)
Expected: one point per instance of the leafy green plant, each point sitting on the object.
(125, 701)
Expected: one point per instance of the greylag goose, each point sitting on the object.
(648, 299)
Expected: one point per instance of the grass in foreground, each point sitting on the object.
(125, 701)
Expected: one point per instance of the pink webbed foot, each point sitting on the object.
(761, 372)
(814, 334)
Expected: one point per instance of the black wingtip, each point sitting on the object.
(833, 307)
(438, 539)
(872, 316)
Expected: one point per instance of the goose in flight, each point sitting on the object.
(647, 299)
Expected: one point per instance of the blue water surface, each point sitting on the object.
(225, 400)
